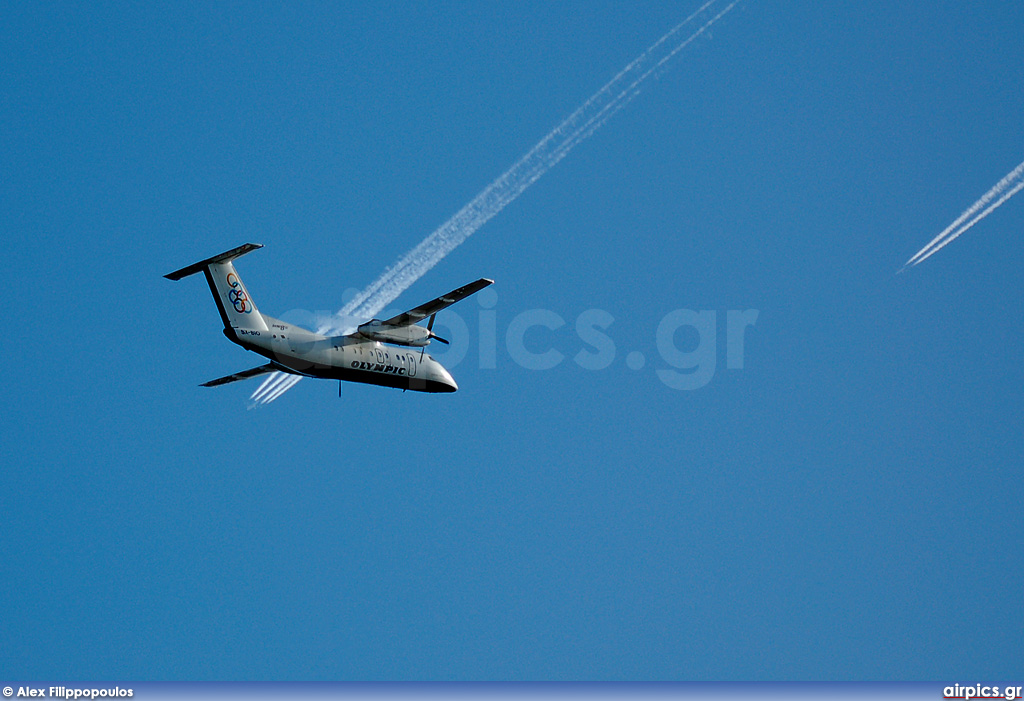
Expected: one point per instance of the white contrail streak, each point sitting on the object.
(269, 385)
(988, 210)
(548, 152)
(589, 117)
(971, 215)
(289, 382)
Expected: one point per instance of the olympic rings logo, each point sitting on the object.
(236, 295)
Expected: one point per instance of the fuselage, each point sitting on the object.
(344, 357)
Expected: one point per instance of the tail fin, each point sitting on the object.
(237, 309)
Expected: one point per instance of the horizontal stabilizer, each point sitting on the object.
(434, 306)
(245, 374)
(225, 257)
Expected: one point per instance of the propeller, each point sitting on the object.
(431, 334)
(430, 325)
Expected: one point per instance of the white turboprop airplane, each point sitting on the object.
(369, 354)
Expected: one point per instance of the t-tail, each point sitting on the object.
(234, 302)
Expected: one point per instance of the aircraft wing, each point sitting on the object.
(244, 375)
(435, 305)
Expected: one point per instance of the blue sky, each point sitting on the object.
(848, 505)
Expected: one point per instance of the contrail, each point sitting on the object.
(274, 386)
(555, 146)
(971, 215)
(1007, 195)
(589, 117)
(285, 384)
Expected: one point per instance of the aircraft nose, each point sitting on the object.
(445, 380)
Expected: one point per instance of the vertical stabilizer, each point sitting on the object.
(236, 305)
(237, 309)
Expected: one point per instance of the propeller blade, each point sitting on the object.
(430, 325)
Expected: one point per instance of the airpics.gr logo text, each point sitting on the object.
(960, 691)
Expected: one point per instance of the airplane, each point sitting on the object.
(376, 353)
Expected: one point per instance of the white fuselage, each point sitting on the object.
(344, 357)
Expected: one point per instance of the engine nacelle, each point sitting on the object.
(411, 335)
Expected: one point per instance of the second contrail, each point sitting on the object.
(1006, 188)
